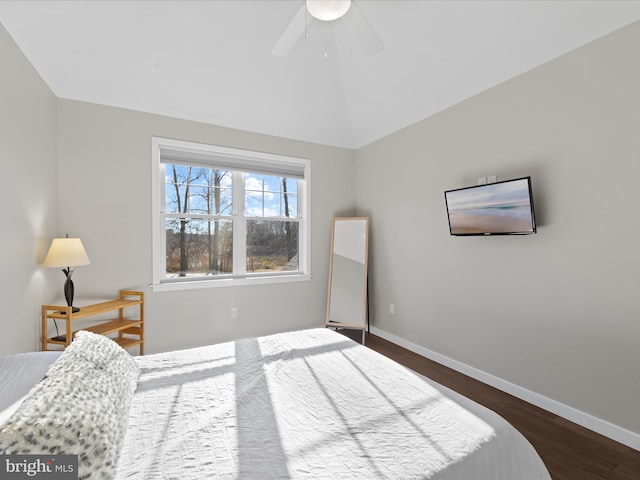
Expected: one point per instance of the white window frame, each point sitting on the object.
(160, 283)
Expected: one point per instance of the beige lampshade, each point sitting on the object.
(66, 252)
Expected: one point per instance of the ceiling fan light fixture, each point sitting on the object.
(328, 10)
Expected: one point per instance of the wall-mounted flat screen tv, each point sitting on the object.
(501, 208)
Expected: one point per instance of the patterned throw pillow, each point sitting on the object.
(80, 407)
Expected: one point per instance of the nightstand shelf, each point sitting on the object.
(130, 331)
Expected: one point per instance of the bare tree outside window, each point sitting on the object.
(198, 241)
(272, 233)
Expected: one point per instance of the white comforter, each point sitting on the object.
(310, 404)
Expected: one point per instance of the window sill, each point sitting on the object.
(228, 282)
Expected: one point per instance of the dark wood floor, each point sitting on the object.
(569, 451)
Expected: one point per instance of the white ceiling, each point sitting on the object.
(210, 61)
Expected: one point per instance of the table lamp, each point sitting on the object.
(67, 252)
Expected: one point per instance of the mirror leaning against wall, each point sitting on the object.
(347, 292)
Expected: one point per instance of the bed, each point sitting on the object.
(300, 405)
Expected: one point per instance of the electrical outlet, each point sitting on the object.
(492, 179)
(482, 180)
(234, 312)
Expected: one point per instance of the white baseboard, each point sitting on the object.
(598, 425)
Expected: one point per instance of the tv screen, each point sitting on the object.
(501, 208)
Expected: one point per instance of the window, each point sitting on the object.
(224, 216)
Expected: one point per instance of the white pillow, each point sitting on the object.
(80, 407)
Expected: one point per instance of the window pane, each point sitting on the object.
(200, 176)
(221, 201)
(199, 197)
(272, 184)
(176, 173)
(174, 200)
(198, 247)
(255, 195)
(289, 205)
(197, 190)
(272, 205)
(253, 205)
(270, 196)
(220, 192)
(292, 185)
(178, 187)
(272, 246)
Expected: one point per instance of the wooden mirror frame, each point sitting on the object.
(358, 295)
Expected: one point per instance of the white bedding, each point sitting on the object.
(299, 405)
(310, 404)
(18, 373)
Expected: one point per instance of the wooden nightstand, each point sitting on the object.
(130, 330)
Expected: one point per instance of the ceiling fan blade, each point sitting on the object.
(291, 35)
(362, 31)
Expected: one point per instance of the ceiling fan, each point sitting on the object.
(329, 13)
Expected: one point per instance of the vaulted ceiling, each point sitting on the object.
(211, 61)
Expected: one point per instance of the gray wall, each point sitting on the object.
(558, 312)
(105, 198)
(28, 197)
